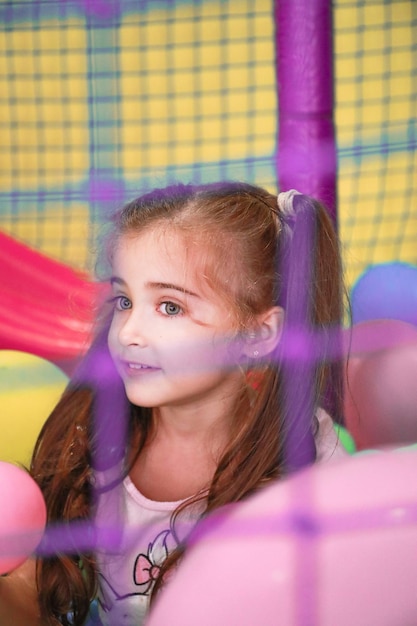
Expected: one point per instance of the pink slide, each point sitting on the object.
(46, 308)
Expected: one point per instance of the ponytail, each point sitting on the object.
(311, 296)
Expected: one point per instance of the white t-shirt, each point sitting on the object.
(126, 578)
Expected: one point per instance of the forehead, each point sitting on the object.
(163, 243)
(164, 251)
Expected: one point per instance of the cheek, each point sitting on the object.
(203, 356)
(112, 337)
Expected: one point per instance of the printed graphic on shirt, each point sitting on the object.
(147, 566)
(127, 609)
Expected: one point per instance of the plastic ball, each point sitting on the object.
(380, 400)
(387, 290)
(23, 516)
(331, 545)
(346, 439)
(30, 387)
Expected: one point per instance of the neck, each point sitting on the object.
(196, 423)
(184, 449)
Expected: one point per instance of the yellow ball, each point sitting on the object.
(29, 389)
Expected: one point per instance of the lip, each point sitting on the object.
(135, 368)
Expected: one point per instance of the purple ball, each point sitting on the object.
(386, 291)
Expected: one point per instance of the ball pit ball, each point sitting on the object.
(23, 516)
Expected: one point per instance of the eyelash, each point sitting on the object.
(169, 302)
(117, 303)
(118, 299)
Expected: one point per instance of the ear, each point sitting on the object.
(265, 334)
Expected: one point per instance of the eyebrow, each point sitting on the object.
(116, 280)
(157, 285)
(172, 286)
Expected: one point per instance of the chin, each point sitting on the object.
(138, 400)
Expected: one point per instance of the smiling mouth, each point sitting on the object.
(139, 367)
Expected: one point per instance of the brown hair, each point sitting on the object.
(292, 261)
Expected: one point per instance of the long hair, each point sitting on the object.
(77, 440)
(239, 227)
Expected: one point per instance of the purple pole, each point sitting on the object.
(306, 158)
(306, 161)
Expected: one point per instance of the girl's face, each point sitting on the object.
(171, 337)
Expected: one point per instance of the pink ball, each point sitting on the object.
(381, 384)
(334, 544)
(22, 518)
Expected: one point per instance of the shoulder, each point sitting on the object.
(328, 445)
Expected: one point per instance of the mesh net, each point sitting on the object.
(376, 91)
(102, 100)
(101, 103)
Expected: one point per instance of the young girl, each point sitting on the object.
(210, 375)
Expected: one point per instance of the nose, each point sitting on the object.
(132, 330)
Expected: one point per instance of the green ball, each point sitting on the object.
(345, 439)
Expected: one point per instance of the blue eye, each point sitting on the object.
(123, 303)
(170, 308)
